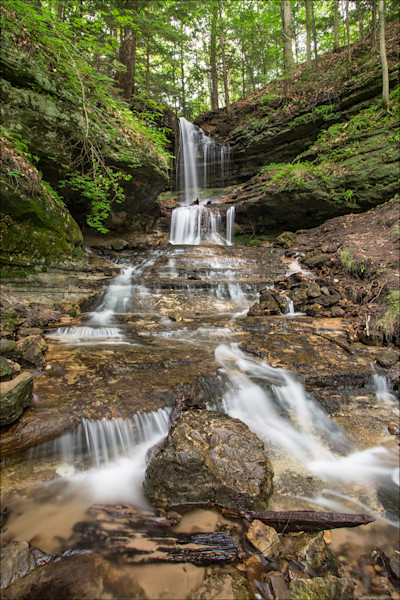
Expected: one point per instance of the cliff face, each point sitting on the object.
(72, 153)
(324, 148)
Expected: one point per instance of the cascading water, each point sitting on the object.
(202, 164)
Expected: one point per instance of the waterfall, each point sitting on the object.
(202, 164)
(104, 441)
(280, 412)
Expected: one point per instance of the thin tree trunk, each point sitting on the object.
(336, 25)
(224, 68)
(148, 69)
(348, 31)
(213, 59)
(287, 37)
(314, 30)
(373, 25)
(308, 40)
(382, 49)
(360, 20)
(183, 90)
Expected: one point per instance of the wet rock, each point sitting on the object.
(32, 349)
(393, 428)
(387, 358)
(287, 239)
(255, 310)
(15, 396)
(337, 312)
(269, 303)
(277, 583)
(8, 369)
(322, 588)
(313, 290)
(311, 550)
(394, 562)
(8, 348)
(25, 332)
(264, 538)
(314, 310)
(299, 297)
(74, 576)
(210, 457)
(119, 244)
(18, 559)
(229, 586)
(316, 260)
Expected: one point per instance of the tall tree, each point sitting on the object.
(314, 30)
(223, 57)
(335, 25)
(308, 33)
(213, 57)
(374, 27)
(287, 35)
(382, 50)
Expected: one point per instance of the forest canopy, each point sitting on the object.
(193, 55)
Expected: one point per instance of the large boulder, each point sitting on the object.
(15, 396)
(210, 457)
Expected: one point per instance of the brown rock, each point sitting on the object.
(264, 538)
(15, 396)
(32, 349)
(210, 457)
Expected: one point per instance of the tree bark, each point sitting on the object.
(287, 36)
(348, 31)
(308, 39)
(360, 18)
(224, 67)
(300, 520)
(314, 30)
(127, 56)
(148, 68)
(382, 50)
(336, 25)
(373, 25)
(213, 59)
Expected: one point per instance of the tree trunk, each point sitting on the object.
(224, 67)
(336, 25)
(127, 56)
(287, 37)
(382, 50)
(373, 25)
(308, 40)
(314, 30)
(360, 20)
(213, 59)
(348, 31)
(183, 90)
(148, 68)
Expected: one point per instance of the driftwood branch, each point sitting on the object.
(300, 520)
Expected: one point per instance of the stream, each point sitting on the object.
(175, 320)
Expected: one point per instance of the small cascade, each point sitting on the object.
(381, 389)
(101, 442)
(230, 222)
(280, 412)
(192, 225)
(77, 334)
(116, 297)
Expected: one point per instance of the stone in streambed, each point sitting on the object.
(15, 396)
(264, 538)
(210, 457)
(322, 588)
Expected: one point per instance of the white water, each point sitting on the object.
(279, 411)
(199, 161)
(381, 389)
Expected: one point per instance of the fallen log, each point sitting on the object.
(131, 516)
(299, 520)
(117, 541)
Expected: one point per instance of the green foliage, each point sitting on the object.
(353, 266)
(287, 175)
(389, 324)
(101, 187)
